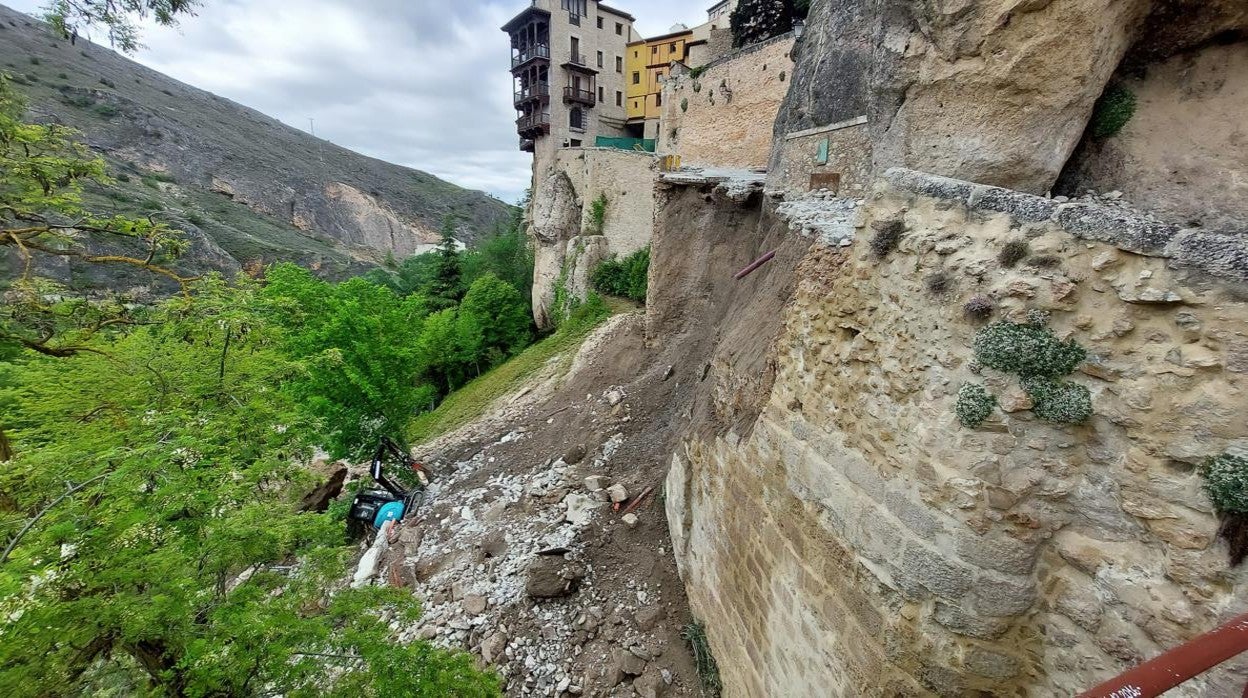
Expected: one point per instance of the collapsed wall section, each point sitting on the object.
(855, 539)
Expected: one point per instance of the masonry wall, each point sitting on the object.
(836, 157)
(855, 540)
(725, 116)
(566, 244)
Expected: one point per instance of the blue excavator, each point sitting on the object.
(390, 502)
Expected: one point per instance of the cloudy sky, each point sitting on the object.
(422, 83)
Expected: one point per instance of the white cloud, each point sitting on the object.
(421, 83)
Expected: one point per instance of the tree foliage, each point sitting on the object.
(183, 565)
(42, 218)
(447, 286)
(758, 20)
(119, 18)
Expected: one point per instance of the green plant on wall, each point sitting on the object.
(598, 214)
(684, 104)
(1226, 483)
(1112, 112)
(1031, 352)
(975, 404)
(626, 278)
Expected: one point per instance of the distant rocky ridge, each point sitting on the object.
(248, 189)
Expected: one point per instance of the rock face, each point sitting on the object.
(256, 189)
(1184, 154)
(855, 539)
(568, 242)
(992, 91)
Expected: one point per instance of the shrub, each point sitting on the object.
(106, 111)
(684, 104)
(975, 404)
(1112, 112)
(196, 218)
(598, 214)
(1027, 350)
(1059, 401)
(697, 72)
(1045, 261)
(979, 308)
(108, 83)
(939, 283)
(62, 76)
(1226, 482)
(887, 236)
(80, 101)
(1013, 252)
(34, 60)
(123, 177)
(626, 278)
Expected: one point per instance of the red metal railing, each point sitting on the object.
(1185, 662)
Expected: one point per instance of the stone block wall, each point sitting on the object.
(566, 245)
(725, 116)
(846, 151)
(858, 541)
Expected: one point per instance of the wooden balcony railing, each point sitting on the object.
(534, 91)
(529, 53)
(586, 97)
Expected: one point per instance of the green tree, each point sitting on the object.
(447, 286)
(356, 344)
(117, 17)
(758, 20)
(178, 561)
(442, 350)
(42, 218)
(502, 313)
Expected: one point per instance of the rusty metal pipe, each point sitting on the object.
(755, 265)
(1162, 673)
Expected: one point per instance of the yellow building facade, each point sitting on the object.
(647, 64)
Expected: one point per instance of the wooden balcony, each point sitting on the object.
(533, 126)
(535, 52)
(580, 64)
(573, 95)
(538, 91)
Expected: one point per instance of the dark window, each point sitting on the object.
(636, 78)
(576, 118)
(600, 59)
(619, 64)
(576, 49)
(658, 99)
(600, 23)
(619, 98)
(575, 143)
(654, 50)
(619, 29)
(600, 93)
(636, 53)
(671, 48)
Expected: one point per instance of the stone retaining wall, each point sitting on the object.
(860, 542)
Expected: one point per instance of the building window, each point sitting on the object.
(576, 119)
(636, 78)
(654, 50)
(600, 59)
(658, 99)
(619, 29)
(576, 50)
(600, 94)
(619, 64)
(636, 54)
(636, 104)
(619, 98)
(600, 22)
(575, 143)
(671, 48)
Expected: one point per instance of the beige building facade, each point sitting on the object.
(567, 61)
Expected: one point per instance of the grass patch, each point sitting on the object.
(471, 401)
(1112, 112)
(708, 670)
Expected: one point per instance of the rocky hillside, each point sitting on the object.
(247, 188)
